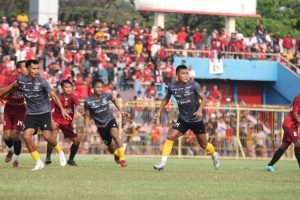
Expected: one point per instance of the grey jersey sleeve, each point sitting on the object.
(197, 87)
(18, 79)
(46, 85)
(169, 91)
(109, 96)
(86, 106)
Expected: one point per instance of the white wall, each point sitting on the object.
(213, 7)
(42, 10)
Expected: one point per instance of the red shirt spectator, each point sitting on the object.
(223, 38)
(229, 134)
(83, 91)
(287, 42)
(181, 37)
(151, 90)
(215, 94)
(168, 71)
(197, 37)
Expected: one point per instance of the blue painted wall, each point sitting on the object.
(273, 97)
(234, 69)
(287, 84)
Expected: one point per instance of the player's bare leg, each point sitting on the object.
(112, 149)
(172, 136)
(209, 148)
(28, 133)
(119, 151)
(277, 155)
(73, 150)
(52, 140)
(17, 147)
(7, 135)
(48, 161)
(297, 151)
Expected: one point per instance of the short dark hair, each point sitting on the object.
(180, 67)
(29, 62)
(95, 81)
(18, 65)
(66, 81)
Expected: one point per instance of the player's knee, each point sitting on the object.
(203, 144)
(46, 136)
(16, 137)
(27, 137)
(171, 137)
(297, 143)
(76, 142)
(115, 138)
(7, 135)
(284, 147)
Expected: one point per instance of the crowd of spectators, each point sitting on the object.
(122, 54)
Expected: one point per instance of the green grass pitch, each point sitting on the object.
(98, 177)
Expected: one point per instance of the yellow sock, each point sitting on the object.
(57, 148)
(120, 153)
(210, 149)
(116, 153)
(167, 147)
(35, 155)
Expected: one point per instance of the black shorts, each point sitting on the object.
(105, 131)
(183, 126)
(42, 121)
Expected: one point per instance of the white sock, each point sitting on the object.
(17, 157)
(39, 161)
(11, 149)
(164, 159)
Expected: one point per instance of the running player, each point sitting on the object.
(291, 135)
(14, 115)
(35, 90)
(187, 94)
(70, 103)
(97, 107)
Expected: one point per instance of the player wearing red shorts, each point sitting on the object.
(70, 103)
(291, 134)
(14, 115)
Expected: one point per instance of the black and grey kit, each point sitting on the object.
(187, 97)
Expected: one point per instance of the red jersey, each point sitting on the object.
(68, 104)
(215, 94)
(15, 97)
(290, 121)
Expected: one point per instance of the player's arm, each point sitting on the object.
(199, 112)
(8, 89)
(78, 107)
(117, 104)
(80, 110)
(87, 120)
(87, 116)
(163, 104)
(52, 105)
(296, 116)
(58, 103)
(295, 109)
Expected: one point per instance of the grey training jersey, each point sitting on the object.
(36, 94)
(187, 97)
(99, 109)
